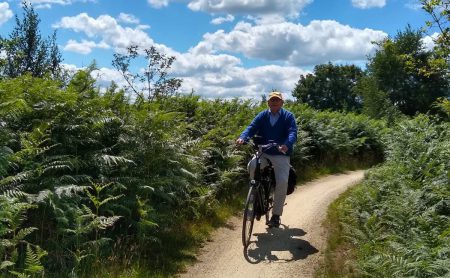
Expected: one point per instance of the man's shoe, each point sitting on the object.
(258, 217)
(274, 221)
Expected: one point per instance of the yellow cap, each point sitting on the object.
(275, 94)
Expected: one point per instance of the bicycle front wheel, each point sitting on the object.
(249, 217)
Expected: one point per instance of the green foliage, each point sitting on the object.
(26, 51)
(442, 106)
(398, 219)
(407, 73)
(154, 82)
(376, 103)
(439, 11)
(330, 87)
(13, 235)
(101, 175)
(333, 138)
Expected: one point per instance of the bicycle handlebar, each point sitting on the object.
(265, 147)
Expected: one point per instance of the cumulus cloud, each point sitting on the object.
(212, 69)
(258, 7)
(367, 4)
(84, 47)
(429, 41)
(158, 3)
(414, 5)
(318, 42)
(220, 20)
(5, 12)
(244, 83)
(198, 63)
(104, 77)
(208, 73)
(46, 4)
(109, 31)
(128, 18)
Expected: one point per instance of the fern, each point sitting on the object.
(33, 260)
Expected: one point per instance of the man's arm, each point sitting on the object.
(292, 132)
(251, 130)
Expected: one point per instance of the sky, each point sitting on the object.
(222, 48)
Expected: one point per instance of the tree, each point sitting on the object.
(376, 103)
(330, 87)
(25, 50)
(406, 71)
(439, 11)
(154, 81)
(440, 14)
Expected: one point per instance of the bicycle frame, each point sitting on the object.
(258, 195)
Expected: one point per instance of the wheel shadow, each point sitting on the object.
(279, 240)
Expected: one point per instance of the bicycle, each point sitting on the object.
(260, 195)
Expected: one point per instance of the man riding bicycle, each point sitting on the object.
(274, 125)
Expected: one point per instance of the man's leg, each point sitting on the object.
(251, 166)
(281, 164)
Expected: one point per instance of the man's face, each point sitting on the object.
(275, 104)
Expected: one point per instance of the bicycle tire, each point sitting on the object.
(248, 217)
(269, 201)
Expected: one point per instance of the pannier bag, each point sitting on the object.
(292, 181)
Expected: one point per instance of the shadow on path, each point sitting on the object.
(275, 243)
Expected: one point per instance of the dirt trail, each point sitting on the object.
(293, 250)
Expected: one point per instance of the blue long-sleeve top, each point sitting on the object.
(284, 132)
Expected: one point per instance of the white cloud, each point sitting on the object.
(158, 3)
(188, 63)
(47, 4)
(318, 42)
(110, 32)
(244, 83)
(413, 5)
(221, 75)
(429, 41)
(210, 68)
(220, 20)
(84, 47)
(5, 12)
(70, 67)
(128, 18)
(367, 4)
(289, 8)
(104, 77)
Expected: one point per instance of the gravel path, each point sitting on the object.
(293, 250)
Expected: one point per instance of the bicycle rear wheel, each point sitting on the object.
(249, 217)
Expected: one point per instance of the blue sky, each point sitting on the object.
(223, 48)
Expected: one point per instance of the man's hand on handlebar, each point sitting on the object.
(240, 141)
(283, 148)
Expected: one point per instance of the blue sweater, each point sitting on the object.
(284, 132)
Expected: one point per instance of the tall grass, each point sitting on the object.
(397, 220)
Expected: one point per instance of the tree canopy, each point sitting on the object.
(26, 51)
(330, 87)
(406, 71)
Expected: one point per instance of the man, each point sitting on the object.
(278, 125)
